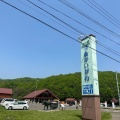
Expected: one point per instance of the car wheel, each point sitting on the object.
(10, 108)
(24, 108)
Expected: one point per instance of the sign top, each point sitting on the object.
(88, 36)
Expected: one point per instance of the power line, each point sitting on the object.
(111, 50)
(106, 12)
(67, 24)
(88, 17)
(79, 22)
(38, 20)
(46, 16)
(101, 13)
(98, 43)
(55, 29)
(57, 18)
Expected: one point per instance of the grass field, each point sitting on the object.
(44, 115)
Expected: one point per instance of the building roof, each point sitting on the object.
(114, 100)
(38, 92)
(70, 99)
(6, 91)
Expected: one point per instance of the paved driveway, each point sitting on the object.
(116, 115)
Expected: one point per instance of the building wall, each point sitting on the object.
(5, 96)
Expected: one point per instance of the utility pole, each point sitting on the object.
(35, 90)
(118, 88)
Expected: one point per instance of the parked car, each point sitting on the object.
(102, 104)
(17, 105)
(71, 103)
(1, 99)
(7, 101)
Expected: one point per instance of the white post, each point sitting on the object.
(105, 104)
(113, 105)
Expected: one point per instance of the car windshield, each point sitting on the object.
(19, 103)
(11, 100)
(22, 103)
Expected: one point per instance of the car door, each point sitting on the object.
(15, 105)
(20, 105)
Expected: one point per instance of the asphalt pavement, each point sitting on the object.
(114, 112)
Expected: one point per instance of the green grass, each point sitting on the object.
(44, 115)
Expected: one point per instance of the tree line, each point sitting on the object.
(63, 86)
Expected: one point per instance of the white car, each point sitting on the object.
(7, 101)
(17, 105)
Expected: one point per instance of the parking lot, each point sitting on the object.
(39, 106)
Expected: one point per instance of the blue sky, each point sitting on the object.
(28, 48)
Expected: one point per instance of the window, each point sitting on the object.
(11, 100)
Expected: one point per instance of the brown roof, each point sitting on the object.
(5, 91)
(114, 100)
(38, 92)
(70, 99)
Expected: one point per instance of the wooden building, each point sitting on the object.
(70, 100)
(5, 93)
(40, 95)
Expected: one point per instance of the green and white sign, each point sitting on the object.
(89, 71)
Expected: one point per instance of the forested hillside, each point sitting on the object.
(64, 86)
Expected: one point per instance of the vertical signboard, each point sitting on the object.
(89, 72)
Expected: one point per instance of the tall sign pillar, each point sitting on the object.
(90, 85)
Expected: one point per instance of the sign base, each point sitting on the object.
(91, 107)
